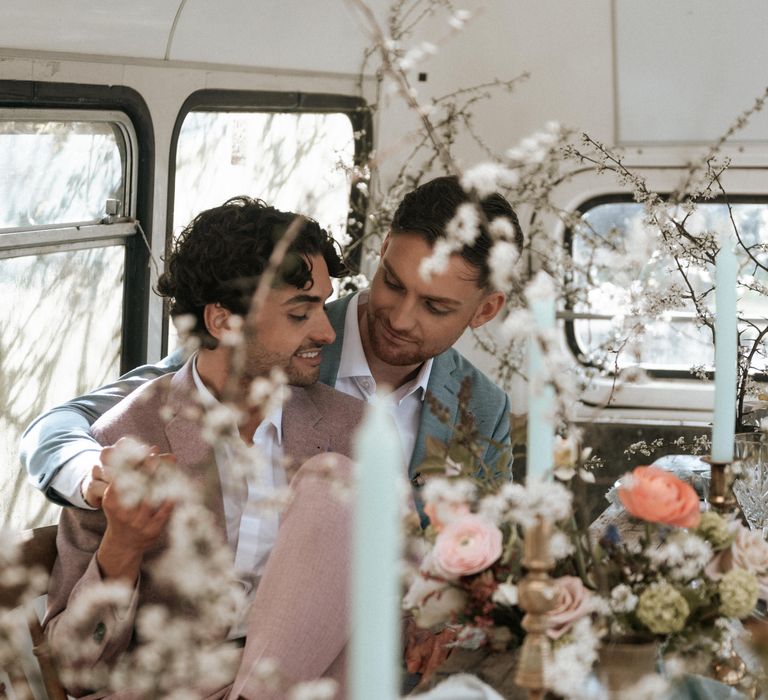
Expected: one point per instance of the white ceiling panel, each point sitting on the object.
(137, 28)
(687, 68)
(291, 34)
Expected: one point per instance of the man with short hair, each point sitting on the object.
(294, 567)
(399, 333)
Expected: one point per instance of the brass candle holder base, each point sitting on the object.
(721, 496)
(536, 595)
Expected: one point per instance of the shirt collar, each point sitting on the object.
(353, 362)
(275, 418)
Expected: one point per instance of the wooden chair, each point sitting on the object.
(38, 548)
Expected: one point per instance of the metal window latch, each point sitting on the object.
(112, 211)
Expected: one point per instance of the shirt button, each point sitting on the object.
(99, 632)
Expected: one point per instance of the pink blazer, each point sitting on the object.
(316, 419)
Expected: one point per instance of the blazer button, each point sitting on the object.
(99, 632)
(418, 480)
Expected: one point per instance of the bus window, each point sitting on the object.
(294, 161)
(299, 161)
(613, 249)
(62, 264)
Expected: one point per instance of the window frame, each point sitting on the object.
(217, 100)
(571, 317)
(126, 108)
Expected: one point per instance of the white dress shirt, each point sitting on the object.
(249, 476)
(354, 378)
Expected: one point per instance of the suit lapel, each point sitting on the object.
(303, 433)
(185, 437)
(444, 386)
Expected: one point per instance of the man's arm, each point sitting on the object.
(57, 449)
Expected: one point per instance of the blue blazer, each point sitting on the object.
(488, 403)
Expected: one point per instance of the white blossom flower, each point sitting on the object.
(571, 663)
(540, 288)
(438, 261)
(449, 490)
(683, 556)
(505, 594)
(465, 224)
(517, 325)
(502, 259)
(487, 178)
(623, 600)
(560, 545)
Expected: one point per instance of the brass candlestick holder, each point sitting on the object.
(537, 597)
(721, 496)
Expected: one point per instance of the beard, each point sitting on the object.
(410, 353)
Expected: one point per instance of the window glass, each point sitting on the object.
(295, 162)
(58, 171)
(617, 256)
(61, 320)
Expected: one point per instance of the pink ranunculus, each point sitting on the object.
(574, 601)
(658, 496)
(466, 546)
(748, 551)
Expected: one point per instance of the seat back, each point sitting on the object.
(38, 548)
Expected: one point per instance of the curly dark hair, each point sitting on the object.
(220, 256)
(430, 207)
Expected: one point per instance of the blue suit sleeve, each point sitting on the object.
(58, 436)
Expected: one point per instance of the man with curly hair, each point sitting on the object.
(398, 333)
(293, 567)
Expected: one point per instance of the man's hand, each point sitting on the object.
(131, 530)
(92, 487)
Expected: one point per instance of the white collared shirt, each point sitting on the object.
(354, 378)
(249, 475)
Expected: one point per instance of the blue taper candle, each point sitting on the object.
(375, 650)
(726, 363)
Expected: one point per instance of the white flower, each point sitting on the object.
(438, 261)
(487, 178)
(449, 490)
(572, 662)
(540, 288)
(505, 594)
(560, 546)
(502, 261)
(623, 600)
(683, 556)
(517, 325)
(465, 224)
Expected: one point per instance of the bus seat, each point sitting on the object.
(38, 548)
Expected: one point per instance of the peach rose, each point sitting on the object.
(465, 546)
(748, 551)
(657, 496)
(574, 601)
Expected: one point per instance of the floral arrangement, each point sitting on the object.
(674, 575)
